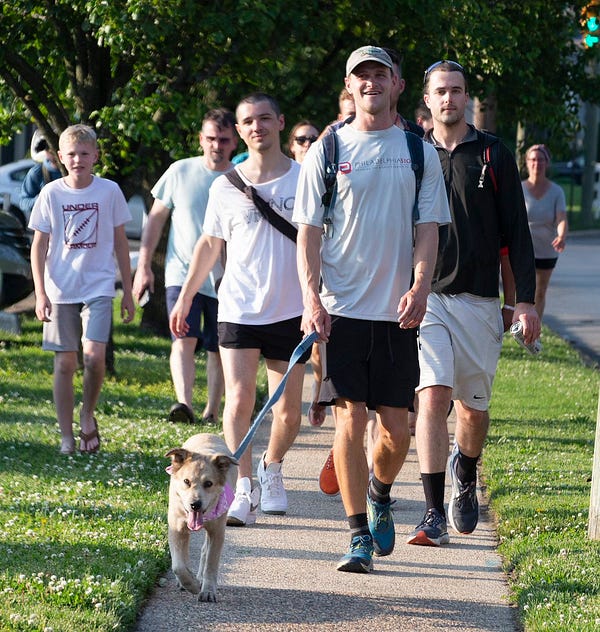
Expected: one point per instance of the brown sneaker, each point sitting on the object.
(327, 479)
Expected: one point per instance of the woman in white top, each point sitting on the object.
(547, 214)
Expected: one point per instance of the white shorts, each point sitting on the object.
(460, 340)
(72, 322)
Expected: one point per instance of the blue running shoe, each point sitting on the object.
(463, 508)
(381, 526)
(359, 557)
(431, 532)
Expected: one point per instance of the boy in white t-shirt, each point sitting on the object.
(79, 223)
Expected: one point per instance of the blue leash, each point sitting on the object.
(298, 352)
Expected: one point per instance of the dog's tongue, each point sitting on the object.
(195, 520)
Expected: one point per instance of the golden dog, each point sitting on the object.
(203, 476)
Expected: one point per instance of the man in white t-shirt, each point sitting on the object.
(369, 307)
(182, 194)
(260, 303)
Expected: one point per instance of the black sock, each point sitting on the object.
(378, 491)
(358, 525)
(433, 486)
(466, 468)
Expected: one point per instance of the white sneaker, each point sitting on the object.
(243, 508)
(273, 499)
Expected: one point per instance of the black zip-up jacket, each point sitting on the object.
(488, 211)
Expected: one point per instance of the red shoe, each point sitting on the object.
(327, 479)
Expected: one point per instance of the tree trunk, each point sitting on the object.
(155, 317)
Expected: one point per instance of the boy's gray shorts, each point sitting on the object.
(72, 322)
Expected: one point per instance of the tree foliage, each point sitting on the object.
(143, 72)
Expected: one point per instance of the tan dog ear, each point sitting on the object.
(223, 462)
(178, 456)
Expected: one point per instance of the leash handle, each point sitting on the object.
(298, 352)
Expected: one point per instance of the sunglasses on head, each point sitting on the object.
(302, 139)
(541, 148)
(454, 65)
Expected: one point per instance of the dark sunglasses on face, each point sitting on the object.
(453, 64)
(302, 139)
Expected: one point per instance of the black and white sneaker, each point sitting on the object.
(432, 530)
(463, 508)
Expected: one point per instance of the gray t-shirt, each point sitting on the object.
(542, 219)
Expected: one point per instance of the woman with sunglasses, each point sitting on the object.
(302, 136)
(547, 215)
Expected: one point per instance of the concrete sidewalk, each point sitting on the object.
(279, 574)
(573, 297)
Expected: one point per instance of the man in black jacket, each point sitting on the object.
(461, 334)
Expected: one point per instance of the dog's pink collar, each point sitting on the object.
(223, 504)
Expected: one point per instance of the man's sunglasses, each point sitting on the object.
(453, 64)
(302, 139)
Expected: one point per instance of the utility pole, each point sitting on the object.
(594, 514)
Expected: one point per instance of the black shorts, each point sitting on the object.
(202, 318)
(276, 341)
(370, 361)
(546, 264)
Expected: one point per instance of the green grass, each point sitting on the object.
(537, 467)
(83, 538)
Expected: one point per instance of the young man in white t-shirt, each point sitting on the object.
(260, 303)
(79, 223)
(369, 307)
(181, 193)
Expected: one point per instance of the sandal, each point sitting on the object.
(67, 448)
(86, 437)
(180, 413)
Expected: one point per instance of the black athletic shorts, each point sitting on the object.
(276, 341)
(370, 361)
(546, 264)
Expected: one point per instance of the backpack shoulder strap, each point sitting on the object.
(417, 161)
(489, 159)
(264, 208)
(330, 169)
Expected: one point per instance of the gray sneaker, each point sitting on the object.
(463, 508)
(432, 531)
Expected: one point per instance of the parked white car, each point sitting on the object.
(11, 178)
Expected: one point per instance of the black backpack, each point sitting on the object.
(330, 148)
